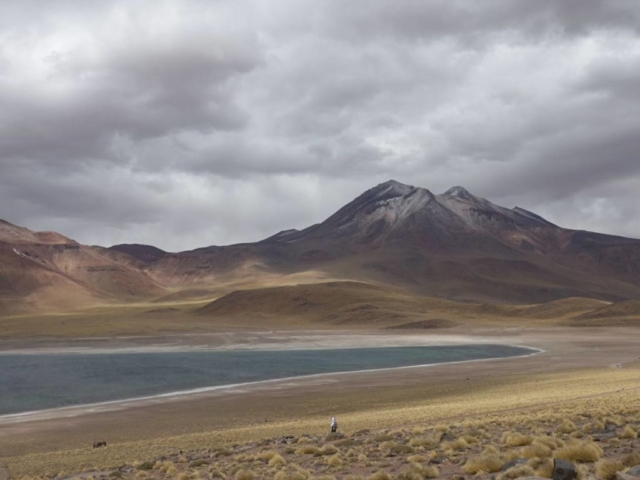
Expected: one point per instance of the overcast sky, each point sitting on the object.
(190, 123)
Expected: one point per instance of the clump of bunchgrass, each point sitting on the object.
(629, 432)
(327, 450)
(579, 451)
(566, 427)
(631, 460)
(606, 469)
(277, 460)
(307, 450)
(536, 450)
(379, 476)
(516, 439)
(484, 463)
(517, 472)
(243, 474)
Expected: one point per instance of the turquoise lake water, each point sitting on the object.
(37, 382)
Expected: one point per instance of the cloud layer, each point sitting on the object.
(184, 124)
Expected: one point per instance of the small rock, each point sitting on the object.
(625, 476)
(513, 463)
(635, 471)
(531, 478)
(563, 470)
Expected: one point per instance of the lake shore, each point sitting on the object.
(571, 357)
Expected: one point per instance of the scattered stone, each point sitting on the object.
(625, 476)
(635, 471)
(513, 463)
(563, 470)
(603, 437)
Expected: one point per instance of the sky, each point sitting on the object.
(190, 123)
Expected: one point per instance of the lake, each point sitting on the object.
(37, 382)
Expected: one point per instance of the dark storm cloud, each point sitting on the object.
(186, 124)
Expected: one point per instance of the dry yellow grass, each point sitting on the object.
(606, 469)
(529, 395)
(483, 464)
(516, 439)
(580, 452)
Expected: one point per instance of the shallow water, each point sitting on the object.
(37, 382)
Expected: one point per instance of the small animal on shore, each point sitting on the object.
(99, 444)
(334, 425)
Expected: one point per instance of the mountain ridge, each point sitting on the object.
(453, 245)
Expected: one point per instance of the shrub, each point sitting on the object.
(401, 449)
(607, 469)
(458, 444)
(580, 452)
(631, 460)
(326, 450)
(483, 463)
(409, 475)
(567, 427)
(545, 469)
(379, 476)
(243, 474)
(429, 442)
(267, 455)
(198, 463)
(334, 461)
(282, 475)
(629, 433)
(277, 460)
(536, 450)
(307, 450)
(416, 459)
(517, 472)
(551, 442)
(172, 470)
(430, 471)
(516, 439)
(146, 466)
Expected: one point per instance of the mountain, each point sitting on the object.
(47, 270)
(453, 245)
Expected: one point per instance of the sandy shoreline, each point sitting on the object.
(283, 340)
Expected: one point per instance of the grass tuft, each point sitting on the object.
(483, 463)
(579, 451)
(606, 469)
